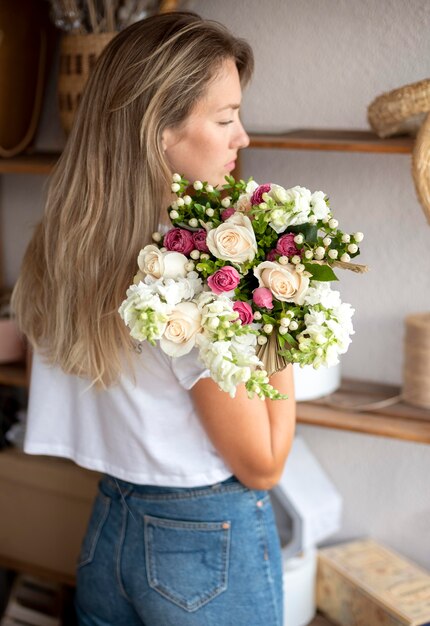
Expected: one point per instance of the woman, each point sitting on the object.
(182, 531)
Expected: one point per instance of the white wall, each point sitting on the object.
(319, 63)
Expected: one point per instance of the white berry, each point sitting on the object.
(225, 202)
(174, 215)
(299, 238)
(333, 223)
(187, 200)
(194, 254)
(309, 254)
(209, 212)
(358, 237)
(193, 222)
(197, 185)
(257, 315)
(345, 258)
(346, 238)
(156, 236)
(283, 260)
(326, 241)
(261, 339)
(293, 325)
(352, 248)
(268, 328)
(176, 178)
(175, 187)
(333, 254)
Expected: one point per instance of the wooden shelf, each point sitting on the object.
(300, 139)
(13, 375)
(332, 140)
(38, 163)
(398, 421)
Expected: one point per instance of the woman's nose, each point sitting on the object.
(241, 139)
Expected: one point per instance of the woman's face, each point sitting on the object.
(205, 146)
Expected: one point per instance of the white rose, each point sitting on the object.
(243, 204)
(233, 240)
(285, 283)
(153, 262)
(182, 327)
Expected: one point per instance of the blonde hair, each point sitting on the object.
(109, 188)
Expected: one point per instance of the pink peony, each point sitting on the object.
(271, 255)
(286, 245)
(199, 238)
(263, 297)
(257, 196)
(179, 240)
(227, 213)
(244, 310)
(224, 279)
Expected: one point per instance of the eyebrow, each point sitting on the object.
(229, 106)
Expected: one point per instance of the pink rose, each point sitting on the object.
(224, 279)
(179, 240)
(245, 312)
(286, 246)
(199, 238)
(257, 196)
(227, 213)
(263, 297)
(271, 255)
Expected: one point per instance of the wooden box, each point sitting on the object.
(362, 583)
(45, 504)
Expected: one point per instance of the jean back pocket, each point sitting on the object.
(186, 561)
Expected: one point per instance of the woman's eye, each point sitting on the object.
(225, 123)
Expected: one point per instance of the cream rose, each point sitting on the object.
(283, 281)
(153, 262)
(233, 240)
(183, 326)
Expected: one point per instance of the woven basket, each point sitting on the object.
(421, 166)
(400, 111)
(78, 55)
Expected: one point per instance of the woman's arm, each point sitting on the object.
(254, 436)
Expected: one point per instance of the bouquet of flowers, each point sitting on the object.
(244, 276)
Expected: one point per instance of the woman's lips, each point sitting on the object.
(230, 166)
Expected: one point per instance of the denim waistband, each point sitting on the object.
(116, 487)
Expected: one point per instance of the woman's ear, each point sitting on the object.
(169, 138)
(166, 139)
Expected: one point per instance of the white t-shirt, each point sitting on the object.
(145, 432)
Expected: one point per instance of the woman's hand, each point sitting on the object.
(254, 436)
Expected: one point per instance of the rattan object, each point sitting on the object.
(421, 166)
(78, 55)
(400, 111)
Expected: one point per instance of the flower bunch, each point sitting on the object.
(245, 268)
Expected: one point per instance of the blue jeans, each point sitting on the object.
(167, 556)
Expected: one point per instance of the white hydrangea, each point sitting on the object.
(320, 292)
(297, 210)
(319, 205)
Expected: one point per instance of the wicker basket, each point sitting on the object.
(400, 111)
(78, 55)
(421, 166)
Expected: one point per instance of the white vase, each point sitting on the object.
(310, 384)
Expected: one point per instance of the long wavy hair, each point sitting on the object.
(110, 187)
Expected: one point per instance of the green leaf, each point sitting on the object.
(320, 272)
(309, 231)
